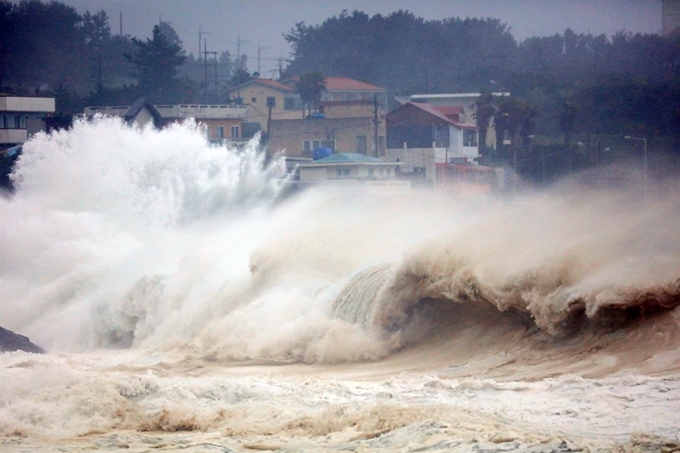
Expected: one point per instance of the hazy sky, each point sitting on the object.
(264, 22)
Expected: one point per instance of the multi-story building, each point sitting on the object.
(223, 122)
(468, 101)
(20, 117)
(342, 98)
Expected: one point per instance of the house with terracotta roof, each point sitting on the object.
(420, 135)
(345, 123)
(342, 89)
(343, 97)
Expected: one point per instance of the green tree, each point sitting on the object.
(309, 88)
(157, 63)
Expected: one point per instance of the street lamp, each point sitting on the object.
(644, 141)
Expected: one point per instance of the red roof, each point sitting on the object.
(450, 114)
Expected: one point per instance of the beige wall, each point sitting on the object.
(212, 126)
(289, 135)
(258, 112)
(349, 111)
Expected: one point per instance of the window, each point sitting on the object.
(342, 173)
(362, 144)
(469, 138)
(381, 145)
(310, 145)
(370, 173)
(2, 121)
(220, 132)
(234, 132)
(253, 99)
(17, 122)
(292, 103)
(271, 101)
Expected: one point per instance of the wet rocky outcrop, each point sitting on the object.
(10, 341)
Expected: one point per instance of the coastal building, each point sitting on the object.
(21, 117)
(374, 175)
(420, 135)
(300, 137)
(468, 101)
(223, 122)
(342, 97)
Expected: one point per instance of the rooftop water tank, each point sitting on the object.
(320, 153)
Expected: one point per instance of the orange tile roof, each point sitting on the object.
(332, 84)
(345, 83)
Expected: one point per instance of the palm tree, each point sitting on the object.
(309, 88)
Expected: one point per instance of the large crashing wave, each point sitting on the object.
(559, 264)
(109, 234)
(119, 237)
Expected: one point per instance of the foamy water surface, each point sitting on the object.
(189, 302)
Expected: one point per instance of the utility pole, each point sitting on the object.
(259, 49)
(200, 37)
(121, 24)
(205, 60)
(100, 87)
(238, 50)
(215, 55)
(271, 103)
(375, 122)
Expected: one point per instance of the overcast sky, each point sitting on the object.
(263, 22)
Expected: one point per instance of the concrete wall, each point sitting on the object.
(417, 158)
(13, 136)
(202, 111)
(26, 104)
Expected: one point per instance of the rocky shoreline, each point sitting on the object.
(10, 341)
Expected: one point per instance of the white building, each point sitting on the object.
(372, 172)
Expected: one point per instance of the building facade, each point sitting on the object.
(299, 138)
(223, 123)
(21, 117)
(468, 101)
(342, 98)
(421, 135)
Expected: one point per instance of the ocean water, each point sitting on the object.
(190, 302)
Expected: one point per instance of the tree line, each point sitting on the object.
(569, 83)
(561, 85)
(49, 49)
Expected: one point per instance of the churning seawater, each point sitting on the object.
(190, 302)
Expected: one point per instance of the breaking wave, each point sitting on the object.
(158, 240)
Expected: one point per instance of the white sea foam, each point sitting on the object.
(187, 302)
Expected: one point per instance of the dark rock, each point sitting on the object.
(10, 341)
